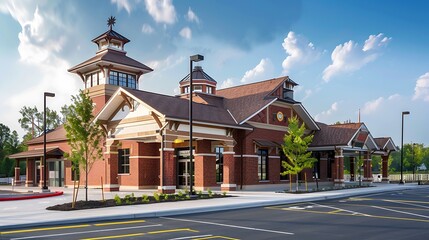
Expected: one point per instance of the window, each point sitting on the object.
(92, 79)
(219, 164)
(122, 79)
(198, 88)
(186, 90)
(209, 89)
(282, 169)
(124, 160)
(263, 164)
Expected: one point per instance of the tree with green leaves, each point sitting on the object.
(295, 148)
(84, 136)
(32, 121)
(9, 144)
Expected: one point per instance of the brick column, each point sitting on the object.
(111, 165)
(168, 176)
(205, 170)
(17, 176)
(352, 169)
(229, 183)
(385, 168)
(339, 168)
(323, 168)
(367, 171)
(29, 172)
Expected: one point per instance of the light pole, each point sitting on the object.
(194, 58)
(46, 94)
(402, 146)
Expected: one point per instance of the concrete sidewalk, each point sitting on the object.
(32, 213)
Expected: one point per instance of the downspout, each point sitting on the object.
(161, 179)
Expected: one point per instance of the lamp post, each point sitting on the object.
(45, 94)
(402, 146)
(194, 58)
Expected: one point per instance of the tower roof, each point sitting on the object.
(111, 34)
(198, 74)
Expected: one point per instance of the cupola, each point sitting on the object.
(201, 82)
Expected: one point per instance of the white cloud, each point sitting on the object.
(123, 4)
(229, 82)
(375, 41)
(300, 51)
(349, 57)
(186, 33)
(146, 28)
(258, 73)
(377, 104)
(39, 50)
(191, 16)
(421, 91)
(334, 108)
(162, 11)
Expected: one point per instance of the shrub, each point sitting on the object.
(187, 197)
(118, 200)
(186, 191)
(200, 194)
(180, 194)
(161, 196)
(127, 199)
(145, 198)
(166, 197)
(133, 197)
(209, 191)
(156, 196)
(224, 194)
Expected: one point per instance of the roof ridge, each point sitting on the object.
(247, 84)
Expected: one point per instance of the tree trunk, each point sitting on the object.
(297, 187)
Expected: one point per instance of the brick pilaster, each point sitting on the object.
(29, 172)
(385, 168)
(229, 183)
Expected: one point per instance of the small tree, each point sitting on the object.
(295, 149)
(83, 134)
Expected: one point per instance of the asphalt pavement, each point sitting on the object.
(33, 213)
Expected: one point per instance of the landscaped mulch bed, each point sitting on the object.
(130, 200)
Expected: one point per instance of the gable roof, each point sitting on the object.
(198, 74)
(385, 144)
(111, 34)
(38, 153)
(254, 96)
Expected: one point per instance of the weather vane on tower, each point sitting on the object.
(111, 22)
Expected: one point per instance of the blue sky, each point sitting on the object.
(370, 55)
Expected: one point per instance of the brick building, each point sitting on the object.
(237, 132)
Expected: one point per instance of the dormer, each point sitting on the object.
(201, 82)
(288, 86)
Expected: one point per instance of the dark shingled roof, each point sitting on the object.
(58, 134)
(381, 142)
(245, 100)
(37, 153)
(198, 74)
(111, 34)
(174, 107)
(110, 55)
(332, 135)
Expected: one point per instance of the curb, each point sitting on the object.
(176, 212)
(33, 196)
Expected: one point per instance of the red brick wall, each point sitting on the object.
(205, 171)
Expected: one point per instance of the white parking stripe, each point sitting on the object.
(83, 232)
(411, 204)
(191, 237)
(227, 225)
(413, 214)
(344, 210)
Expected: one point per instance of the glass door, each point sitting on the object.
(37, 173)
(183, 168)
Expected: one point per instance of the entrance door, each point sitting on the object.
(37, 174)
(183, 168)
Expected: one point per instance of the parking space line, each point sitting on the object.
(117, 223)
(217, 237)
(84, 232)
(407, 202)
(343, 210)
(405, 208)
(227, 225)
(191, 237)
(44, 229)
(392, 210)
(116, 236)
(173, 230)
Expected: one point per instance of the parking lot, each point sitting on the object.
(393, 215)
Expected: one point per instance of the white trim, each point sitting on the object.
(339, 180)
(111, 186)
(228, 185)
(232, 116)
(209, 124)
(124, 174)
(339, 156)
(205, 154)
(228, 153)
(168, 149)
(247, 119)
(274, 156)
(132, 157)
(111, 152)
(166, 187)
(306, 113)
(268, 126)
